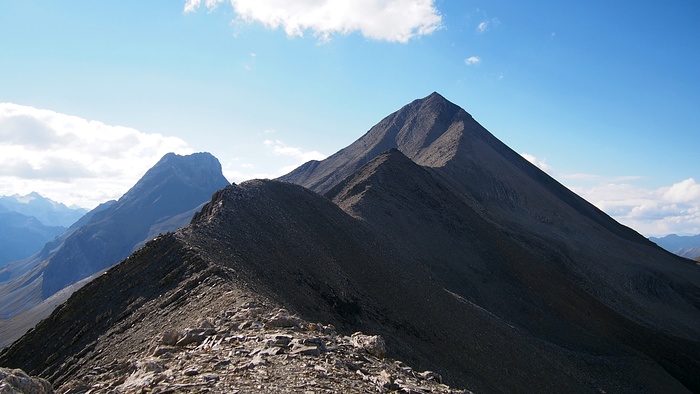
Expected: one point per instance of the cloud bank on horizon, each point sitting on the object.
(385, 20)
(673, 209)
(73, 160)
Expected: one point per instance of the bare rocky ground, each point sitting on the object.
(258, 348)
(165, 321)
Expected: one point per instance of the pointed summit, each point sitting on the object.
(427, 131)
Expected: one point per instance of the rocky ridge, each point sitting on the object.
(259, 348)
(183, 324)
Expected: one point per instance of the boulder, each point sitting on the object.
(372, 344)
(16, 381)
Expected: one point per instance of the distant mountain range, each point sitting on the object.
(163, 200)
(686, 246)
(28, 222)
(467, 259)
(47, 211)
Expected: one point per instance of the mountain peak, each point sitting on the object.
(198, 170)
(434, 97)
(427, 131)
(175, 185)
(435, 105)
(199, 157)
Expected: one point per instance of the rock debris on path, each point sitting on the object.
(257, 348)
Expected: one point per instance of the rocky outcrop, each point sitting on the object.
(15, 381)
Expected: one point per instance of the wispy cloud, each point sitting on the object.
(250, 64)
(270, 159)
(395, 21)
(471, 60)
(486, 25)
(540, 163)
(299, 155)
(281, 149)
(74, 160)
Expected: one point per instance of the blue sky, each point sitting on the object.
(605, 96)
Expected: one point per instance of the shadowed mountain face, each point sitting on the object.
(463, 256)
(504, 234)
(284, 243)
(163, 200)
(176, 184)
(434, 133)
(616, 264)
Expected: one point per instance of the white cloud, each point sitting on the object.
(650, 211)
(279, 148)
(386, 20)
(579, 177)
(472, 60)
(540, 163)
(298, 155)
(73, 160)
(684, 191)
(192, 5)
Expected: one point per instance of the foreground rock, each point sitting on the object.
(16, 381)
(258, 348)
